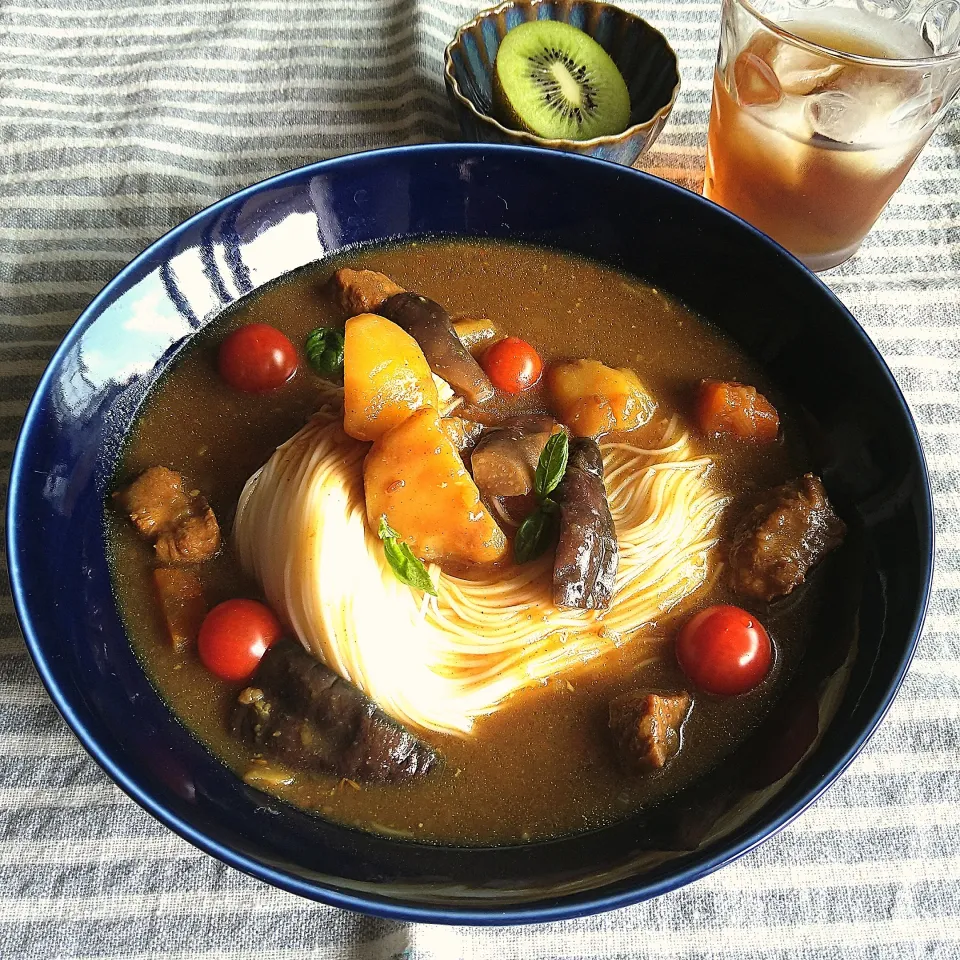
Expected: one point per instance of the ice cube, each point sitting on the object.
(837, 115)
(781, 135)
(798, 71)
(790, 117)
(801, 72)
(865, 146)
(756, 83)
(867, 108)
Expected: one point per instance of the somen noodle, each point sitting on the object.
(440, 663)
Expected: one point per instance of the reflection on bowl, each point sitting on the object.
(642, 54)
(720, 268)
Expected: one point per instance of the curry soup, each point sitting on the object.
(542, 764)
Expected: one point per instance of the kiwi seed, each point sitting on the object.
(557, 82)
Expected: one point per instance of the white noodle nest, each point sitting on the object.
(440, 663)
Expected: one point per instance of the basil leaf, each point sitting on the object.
(385, 530)
(406, 567)
(552, 464)
(324, 348)
(536, 533)
(533, 536)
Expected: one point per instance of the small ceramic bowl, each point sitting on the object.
(642, 54)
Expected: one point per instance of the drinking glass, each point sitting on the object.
(820, 108)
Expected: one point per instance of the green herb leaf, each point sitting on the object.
(536, 533)
(324, 348)
(385, 530)
(406, 567)
(552, 465)
(533, 536)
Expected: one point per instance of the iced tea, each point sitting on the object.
(809, 147)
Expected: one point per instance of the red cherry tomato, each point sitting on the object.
(257, 357)
(512, 365)
(234, 636)
(724, 650)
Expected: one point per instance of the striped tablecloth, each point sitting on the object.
(122, 117)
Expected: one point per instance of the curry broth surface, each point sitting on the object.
(542, 765)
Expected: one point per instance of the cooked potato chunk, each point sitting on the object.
(414, 475)
(385, 377)
(476, 335)
(593, 399)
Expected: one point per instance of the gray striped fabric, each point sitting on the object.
(120, 118)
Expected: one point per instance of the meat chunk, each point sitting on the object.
(587, 551)
(361, 291)
(736, 409)
(430, 325)
(505, 459)
(785, 535)
(647, 727)
(182, 602)
(179, 522)
(300, 712)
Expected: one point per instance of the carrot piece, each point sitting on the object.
(736, 409)
(181, 599)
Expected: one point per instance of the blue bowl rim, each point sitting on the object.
(531, 139)
(568, 907)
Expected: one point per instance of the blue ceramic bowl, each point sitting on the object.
(642, 54)
(778, 312)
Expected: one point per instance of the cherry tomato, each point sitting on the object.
(512, 365)
(256, 358)
(724, 650)
(234, 637)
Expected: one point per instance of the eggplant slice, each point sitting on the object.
(430, 325)
(505, 460)
(303, 714)
(587, 552)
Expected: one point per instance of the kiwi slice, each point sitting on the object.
(557, 82)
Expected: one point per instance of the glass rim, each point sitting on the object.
(854, 58)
